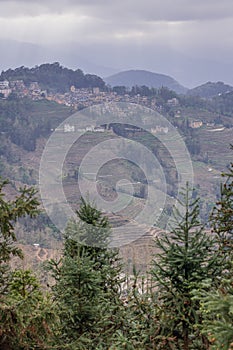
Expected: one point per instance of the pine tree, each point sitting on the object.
(218, 305)
(26, 315)
(23, 309)
(187, 257)
(217, 308)
(87, 287)
(221, 218)
(10, 211)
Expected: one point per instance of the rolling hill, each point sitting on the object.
(26, 125)
(54, 77)
(142, 77)
(210, 89)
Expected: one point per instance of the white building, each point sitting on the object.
(4, 85)
(5, 92)
(173, 102)
(69, 128)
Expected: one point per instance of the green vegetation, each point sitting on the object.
(53, 77)
(188, 256)
(23, 122)
(210, 89)
(87, 283)
(24, 310)
(25, 125)
(10, 212)
(183, 302)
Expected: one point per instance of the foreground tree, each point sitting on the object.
(87, 287)
(27, 317)
(218, 305)
(222, 216)
(24, 311)
(187, 257)
(217, 308)
(10, 211)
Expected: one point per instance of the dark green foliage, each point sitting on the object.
(193, 144)
(23, 121)
(217, 309)
(222, 215)
(95, 228)
(187, 258)
(185, 302)
(120, 90)
(10, 212)
(24, 311)
(53, 77)
(87, 285)
(223, 104)
(218, 304)
(210, 89)
(26, 315)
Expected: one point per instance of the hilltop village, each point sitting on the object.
(77, 98)
(85, 97)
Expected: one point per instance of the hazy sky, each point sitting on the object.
(192, 40)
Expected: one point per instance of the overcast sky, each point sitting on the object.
(191, 40)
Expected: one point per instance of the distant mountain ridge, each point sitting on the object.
(142, 77)
(210, 89)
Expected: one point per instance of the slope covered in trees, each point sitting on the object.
(210, 89)
(92, 304)
(53, 77)
(25, 125)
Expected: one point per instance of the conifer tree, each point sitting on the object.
(24, 311)
(27, 318)
(217, 308)
(221, 218)
(10, 211)
(87, 287)
(187, 257)
(218, 305)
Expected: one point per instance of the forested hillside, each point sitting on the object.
(90, 303)
(210, 89)
(160, 291)
(53, 77)
(26, 124)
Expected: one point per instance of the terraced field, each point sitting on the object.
(137, 252)
(216, 143)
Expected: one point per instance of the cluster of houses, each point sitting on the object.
(85, 97)
(5, 89)
(17, 86)
(72, 128)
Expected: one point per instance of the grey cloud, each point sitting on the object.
(186, 38)
(107, 59)
(147, 10)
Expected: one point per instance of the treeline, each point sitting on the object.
(23, 121)
(223, 104)
(210, 89)
(184, 302)
(53, 77)
(220, 104)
